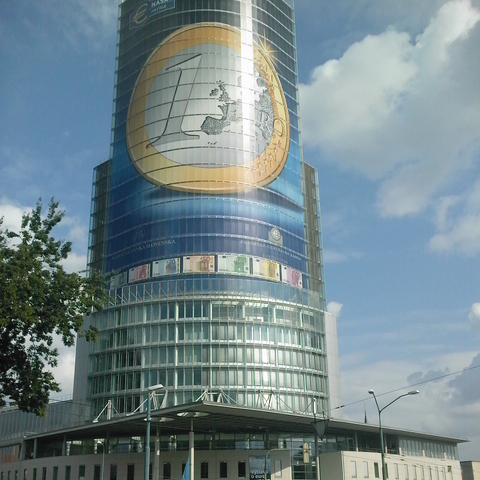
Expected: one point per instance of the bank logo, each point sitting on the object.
(146, 9)
(208, 113)
(139, 16)
(275, 236)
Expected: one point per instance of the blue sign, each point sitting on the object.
(147, 9)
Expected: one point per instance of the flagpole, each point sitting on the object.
(192, 449)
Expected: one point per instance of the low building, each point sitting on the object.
(231, 442)
(470, 470)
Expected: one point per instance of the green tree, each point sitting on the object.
(38, 299)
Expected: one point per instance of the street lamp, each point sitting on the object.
(266, 458)
(103, 456)
(151, 390)
(380, 410)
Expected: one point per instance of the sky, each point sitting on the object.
(390, 115)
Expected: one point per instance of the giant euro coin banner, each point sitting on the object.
(208, 113)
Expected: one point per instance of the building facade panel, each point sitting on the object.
(206, 217)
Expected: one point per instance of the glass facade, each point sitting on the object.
(205, 217)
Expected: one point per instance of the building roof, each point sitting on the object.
(216, 417)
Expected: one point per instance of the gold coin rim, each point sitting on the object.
(162, 171)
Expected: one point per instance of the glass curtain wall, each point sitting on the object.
(205, 217)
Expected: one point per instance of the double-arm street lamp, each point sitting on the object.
(151, 390)
(380, 410)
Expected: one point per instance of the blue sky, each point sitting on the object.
(390, 104)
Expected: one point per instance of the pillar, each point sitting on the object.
(191, 443)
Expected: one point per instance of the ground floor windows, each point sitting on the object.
(113, 472)
(242, 470)
(167, 471)
(96, 472)
(278, 468)
(204, 470)
(130, 471)
(223, 469)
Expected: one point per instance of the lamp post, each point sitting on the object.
(320, 427)
(265, 470)
(380, 410)
(103, 456)
(151, 390)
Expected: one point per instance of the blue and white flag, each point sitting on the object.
(186, 472)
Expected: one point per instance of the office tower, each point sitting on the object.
(206, 218)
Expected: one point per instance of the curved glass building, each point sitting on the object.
(206, 217)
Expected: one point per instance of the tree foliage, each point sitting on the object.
(39, 300)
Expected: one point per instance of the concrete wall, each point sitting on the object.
(122, 460)
(331, 466)
(81, 367)
(400, 467)
(470, 470)
(333, 360)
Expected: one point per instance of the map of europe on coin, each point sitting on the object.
(208, 113)
(193, 103)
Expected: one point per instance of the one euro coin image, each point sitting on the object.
(208, 113)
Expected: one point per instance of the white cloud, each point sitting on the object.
(334, 308)
(404, 112)
(102, 12)
(430, 376)
(442, 210)
(18, 165)
(76, 232)
(12, 214)
(336, 224)
(348, 100)
(395, 353)
(80, 19)
(75, 263)
(64, 372)
(332, 256)
(458, 223)
(474, 317)
(435, 410)
(464, 236)
(467, 384)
